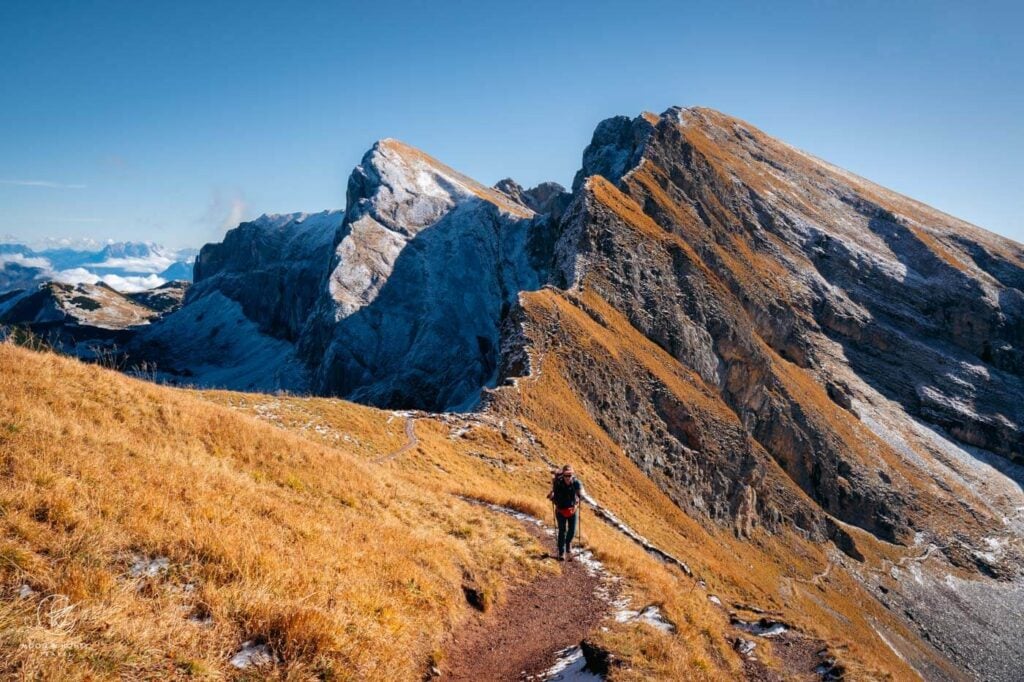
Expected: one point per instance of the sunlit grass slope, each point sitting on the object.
(282, 521)
(344, 570)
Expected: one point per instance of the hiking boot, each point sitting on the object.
(561, 557)
(568, 556)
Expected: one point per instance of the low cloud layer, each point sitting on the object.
(126, 284)
(24, 261)
(126, 273)
(154, 263)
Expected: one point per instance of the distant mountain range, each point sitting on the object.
(124, 266)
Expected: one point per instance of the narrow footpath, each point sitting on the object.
(411, 441)
(523, 637)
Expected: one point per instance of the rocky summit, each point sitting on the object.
(781, 346)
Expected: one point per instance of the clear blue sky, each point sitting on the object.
(162, 120)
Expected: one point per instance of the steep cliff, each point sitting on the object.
(425, 265)
(800, 349)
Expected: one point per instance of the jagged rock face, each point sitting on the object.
(426, 264)
(712, 246)
(898, 285)
(675, 427)
(164, 299)
(614, 149)
(397, 301)
(272, 266)
(547, 197)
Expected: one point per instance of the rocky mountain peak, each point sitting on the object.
(129, 250)
(544, 198)
(426, 263)
(616, 147)
(405, 190)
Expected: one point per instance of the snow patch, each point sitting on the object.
(517, 515)
(252, 655)
(651, 615)
(148, 567)
(761, 628)
(889, 644)
(621, 526)
(570, 666)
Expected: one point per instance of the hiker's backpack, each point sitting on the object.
(565, 512)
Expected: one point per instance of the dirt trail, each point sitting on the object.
(411, 441)
(522, 637)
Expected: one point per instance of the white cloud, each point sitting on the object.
(123, 284)
(132, 273)
(42, 183)
(154, 263)
(24, 261)
(76, 276)
(132, 284)
(224, 211)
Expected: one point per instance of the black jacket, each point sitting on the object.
(566, 494)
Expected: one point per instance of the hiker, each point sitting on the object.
(566, 494)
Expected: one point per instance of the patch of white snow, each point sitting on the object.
(252, 655)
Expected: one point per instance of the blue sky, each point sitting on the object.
(168, 121)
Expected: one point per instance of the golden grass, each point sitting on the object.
(346, 572)
(278, 526)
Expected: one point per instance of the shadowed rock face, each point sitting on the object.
(425, 265)
(272, 266)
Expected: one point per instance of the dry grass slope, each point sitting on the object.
(346, 572)
(278, 527)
